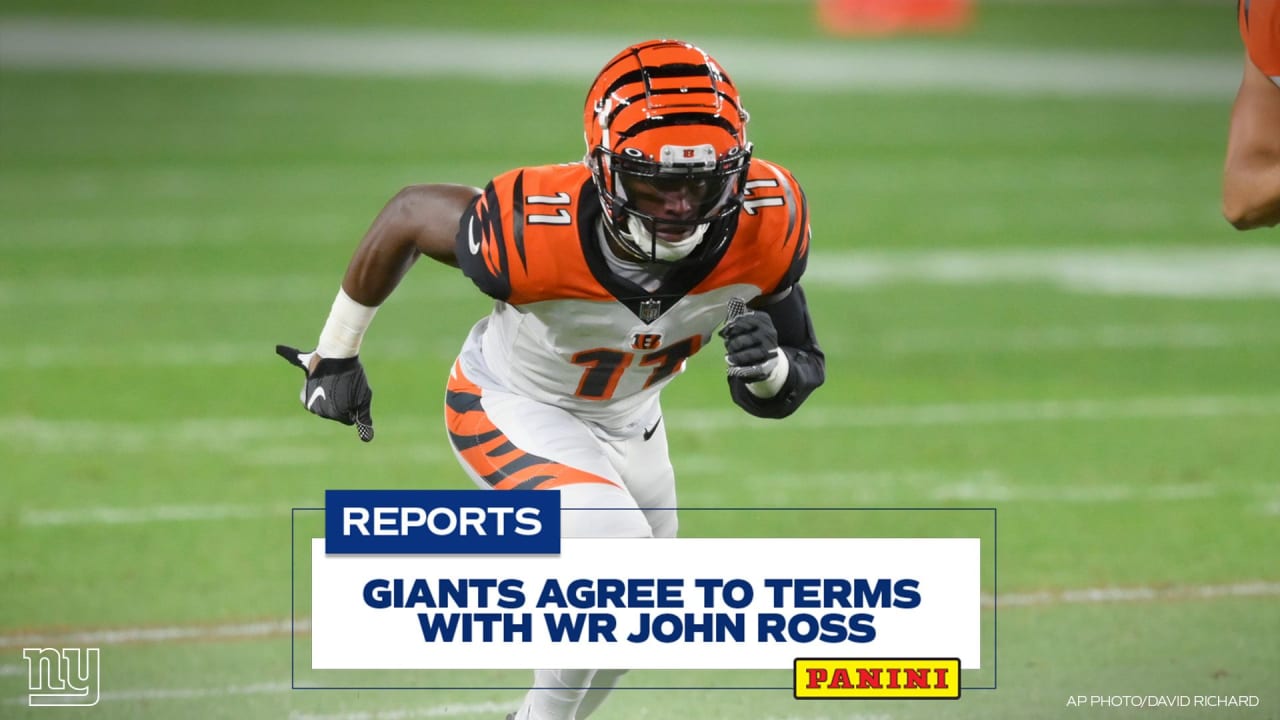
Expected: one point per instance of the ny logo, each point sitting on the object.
(64, 677)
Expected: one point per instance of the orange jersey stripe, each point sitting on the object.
(527, 236)
(523, 241)
(771, 245)
(1260, 30)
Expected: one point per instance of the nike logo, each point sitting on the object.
(318, 394)
(473, 243)
(649, 433)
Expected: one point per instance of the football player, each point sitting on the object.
(1251, 186)
(607, 275)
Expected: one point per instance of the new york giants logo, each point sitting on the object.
(66, 677)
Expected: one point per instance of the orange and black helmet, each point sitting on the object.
(664, 116)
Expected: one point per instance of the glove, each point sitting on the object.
(750, 343)
(336, 389)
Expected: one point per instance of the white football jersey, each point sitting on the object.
(570, 331)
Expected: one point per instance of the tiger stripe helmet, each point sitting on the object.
(663, 116)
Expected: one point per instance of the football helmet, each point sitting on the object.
(667, 147)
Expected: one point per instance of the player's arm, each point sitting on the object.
(419, 220)
(773, 354)
(1251, 182)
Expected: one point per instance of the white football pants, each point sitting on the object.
(507, 441)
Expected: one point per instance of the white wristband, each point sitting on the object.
(345, 327)
(770, 386)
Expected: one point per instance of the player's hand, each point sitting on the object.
(335, 388)
(750, 343)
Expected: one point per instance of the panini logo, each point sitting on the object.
(862, 678)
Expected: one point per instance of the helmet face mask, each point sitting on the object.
(667, 150)
(660, 211)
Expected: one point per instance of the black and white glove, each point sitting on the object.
(337, 389)
(750, 343)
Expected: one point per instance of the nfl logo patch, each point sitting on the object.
(650, 310)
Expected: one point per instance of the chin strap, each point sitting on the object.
(664, 251)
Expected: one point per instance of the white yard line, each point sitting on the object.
(1091, 596)
(998, 492)
(870, 488)
(152, 514)
(1174, 271)
(324, 457)
(276, 628)
(274, 688)
(1237, 271)
(924, 341)
(157, 634)
(490, 709)
(205, 354)
(987, 413)
(222, 289)
(1085, 596)
(151, 694)
(68, 436)
(1120, 337)
(988, 486)
(293, 441)
(239, 434)
(50, 43)
(854, 716)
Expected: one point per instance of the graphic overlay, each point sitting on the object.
(1157, 702)
(62, 677)
(885, 678)
(425, 599)
(399, 522)
(649, 603)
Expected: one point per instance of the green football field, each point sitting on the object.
(1029, 302)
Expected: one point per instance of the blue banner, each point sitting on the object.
(435, 522)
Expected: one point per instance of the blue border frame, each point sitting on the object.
(995, 604)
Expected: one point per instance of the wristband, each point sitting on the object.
(344, 330)
(770, 386)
